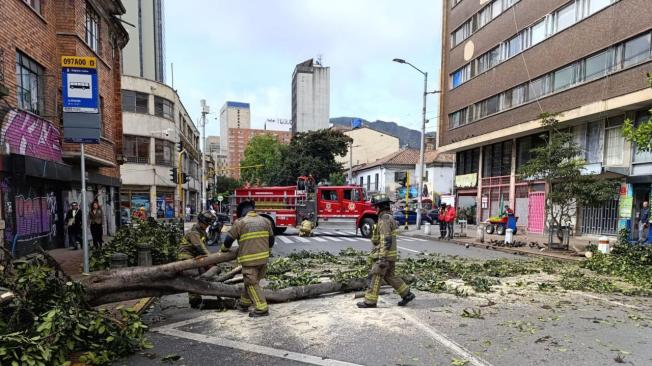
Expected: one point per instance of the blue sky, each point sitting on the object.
(246, 50)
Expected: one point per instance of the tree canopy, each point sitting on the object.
(313, 153)
(641, 134)
(263, 150)
(560, 164)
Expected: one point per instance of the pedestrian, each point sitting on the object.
(442, 221)
(255, 240)
(96, 218)
(193, 244)
(451, 215)
(643, 222)
(74, 225)
(188, 213)
(384, 255)
(508, 211)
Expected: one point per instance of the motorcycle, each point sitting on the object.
(214, 235)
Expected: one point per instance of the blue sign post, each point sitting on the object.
(79, 89)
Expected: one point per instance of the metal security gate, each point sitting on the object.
(601, 220)
(536, 212)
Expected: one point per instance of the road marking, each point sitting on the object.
(332, 238)
(409, 250)
(326, 233)
(349, 239)
(444, 340)
(302, 239)
(406, 239)
(413, 238)
(319, 239)
(285, 239)
(253, 348)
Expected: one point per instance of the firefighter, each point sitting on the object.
(306, 226)
(384, 255)
(255, 240)
(193, 245)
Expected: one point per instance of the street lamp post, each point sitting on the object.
(423, 140)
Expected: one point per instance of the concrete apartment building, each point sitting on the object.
(238, 140)
(233, 115)
(156, 124)
(144, 55)
(215, 151)
(40, 174)
(507, 61)
(310, 97)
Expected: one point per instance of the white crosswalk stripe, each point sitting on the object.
(333, 238)
(325, 233)
(305, 240)
(319, 239)
(349, 239)
(405, 239)
(285, 239)
(417, 239)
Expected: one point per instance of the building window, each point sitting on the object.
(642, 156)
(164, 152)
(538, 32)
(136, 149)
(467, 162)
(497, 159)
(92, 29)
(34, 4)
(329, 195)
(564, 78)
(29, 84)
(597, 5)
(133, 101)
(514, 45)
(614, 142)
(598, 66)
(163, 108)
(565, 17)
(593, 144)
(636, 50)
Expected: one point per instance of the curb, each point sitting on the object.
(143, 304)
(505, 249)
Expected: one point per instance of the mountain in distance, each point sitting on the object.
(406, 136)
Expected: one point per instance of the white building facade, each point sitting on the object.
(155, 126)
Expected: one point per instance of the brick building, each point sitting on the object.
(40, 174)
(238, 138)
(507, 61)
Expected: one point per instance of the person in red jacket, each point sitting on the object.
(451, 215)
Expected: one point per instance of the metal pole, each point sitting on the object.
(351, 163)
(83, 211)
(422, 152)
(203, 164)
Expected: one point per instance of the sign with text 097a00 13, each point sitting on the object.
(81, 109)
(79, 89)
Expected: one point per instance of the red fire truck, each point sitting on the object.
(339, 207)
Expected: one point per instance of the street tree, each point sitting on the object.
(641, 134)
(559, 163)
(313, 153)
(264, 150)
(226, 185)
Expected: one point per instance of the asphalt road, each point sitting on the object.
(517, 327)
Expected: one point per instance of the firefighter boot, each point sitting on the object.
(256, 314)
(364, 305)
(406, 299)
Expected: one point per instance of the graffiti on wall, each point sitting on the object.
(35, 218)
(26, 134)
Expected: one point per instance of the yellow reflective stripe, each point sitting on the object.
(253, 235)
(253, 257)
(401, 290)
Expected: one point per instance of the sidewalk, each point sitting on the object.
(71, 263)
(534, 244)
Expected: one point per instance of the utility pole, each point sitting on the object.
(204, 111)
(351, 162)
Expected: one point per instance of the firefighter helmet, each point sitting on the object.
(206, 218)
(244, 207)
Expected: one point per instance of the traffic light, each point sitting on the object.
(173, 175)
(209, 188)
(179, 146)
(185, 178)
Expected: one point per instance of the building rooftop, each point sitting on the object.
(401, 157)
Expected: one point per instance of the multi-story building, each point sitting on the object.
(310, 97)
(507, 61)
(233, 115)
(215, 151)
(368, 146)
(144, 55)
(156, 126)
(40, 174)
(238, 140)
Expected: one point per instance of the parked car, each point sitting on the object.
(433, 215)
(399, 216)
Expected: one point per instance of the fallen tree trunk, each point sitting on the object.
(223, 277)
(186, 284)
